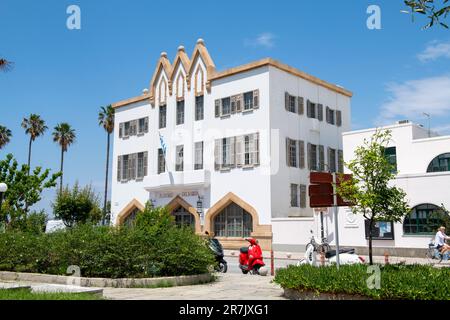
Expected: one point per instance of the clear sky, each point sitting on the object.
(397, 72)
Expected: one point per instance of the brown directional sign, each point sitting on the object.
(320, 177)
(317, 189)
(321, 190)
(321, 200)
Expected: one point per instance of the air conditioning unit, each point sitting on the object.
(402, 121)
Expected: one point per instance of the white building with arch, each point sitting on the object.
(230, 151)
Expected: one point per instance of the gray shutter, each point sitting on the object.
(338, 118)
(310, 165)
(287, 153)
(239, 101)
(329, 158)
(146, 125)
(286, 101)
(145, 162)
(232, 141)
(300, 105)
(321, 158)
(302, 196)
(327, 115)
(340, 161)
(295, 104)
(120, 130)
(119, 168)
(217, 153)
(320, 112)
(256, 148)
(132, 166)
(308, 108)
(256, 99)
(301, 147)
(233, 104)
(239, 151)
(217, 107)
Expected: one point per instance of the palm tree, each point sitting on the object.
(35, 127)
(64, 135)
(5, 65)
(106, 120)
(5, 135)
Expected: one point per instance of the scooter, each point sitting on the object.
(217, 248)
(346, 256)
(251, 258)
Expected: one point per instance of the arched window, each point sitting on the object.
(233, 221)
(131, 218)
(183, 218)
(440, 163)
(423, 219)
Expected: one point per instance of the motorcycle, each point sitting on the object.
(251, 258)
(217, 248)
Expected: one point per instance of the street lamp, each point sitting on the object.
(200, 209)
(3, 188)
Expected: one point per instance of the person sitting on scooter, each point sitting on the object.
(439, 240)
(254, 251)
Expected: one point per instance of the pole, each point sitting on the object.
(272, 268)
(337, 235)
(321, 226)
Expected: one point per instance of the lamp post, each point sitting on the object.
(200, 209)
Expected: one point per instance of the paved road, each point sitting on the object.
(229, 286)
(233, 263)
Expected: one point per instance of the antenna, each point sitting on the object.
(429, 117)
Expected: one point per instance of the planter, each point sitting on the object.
(294, 294)
(107, 282)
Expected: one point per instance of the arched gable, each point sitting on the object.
(202, 54)
(177, 202)
(163, 67)
(128, 209)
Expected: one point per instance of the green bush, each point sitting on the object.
(33, 222)
(77, 205)
(422, 282)
(112, 252)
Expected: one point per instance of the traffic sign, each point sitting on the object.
(324, 188)
(320, 177)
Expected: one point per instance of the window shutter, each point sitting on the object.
(302, 196)
(286, 101)
(308, 108)
(239, 100)
(255, 153)
(132, 166)
(300, 105)
(329, 158)
(119, 168)
(217, 153)
(301, 147)
(145, 162)
(232, 141)
(295, 105)
(327, 115)
(309, 154)
(320, 112)
(239, 151)
(233, 104)
(121, 130)
(338, 118)
(287, 153)
(340, 161)
(146, 125)
(321, 158)
(256, 99)
(217, 107)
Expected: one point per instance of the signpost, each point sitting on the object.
(322, 194)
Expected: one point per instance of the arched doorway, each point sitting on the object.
(183, 218)
(184, 213)
(233, 221)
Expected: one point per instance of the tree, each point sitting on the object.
(5, 65)
(35, 127)
(77, 205)
(24, 189)
(434, 11)
(106, 120)
(64, 135)
(370, 190)
(5, 135)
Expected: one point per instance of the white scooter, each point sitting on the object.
(346, 256)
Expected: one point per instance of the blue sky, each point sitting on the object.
(397, 72)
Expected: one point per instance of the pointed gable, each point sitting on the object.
(163, 66)
(201, 53)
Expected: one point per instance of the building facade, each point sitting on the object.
(228, 152)
(422, 161)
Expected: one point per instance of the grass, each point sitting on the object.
(26, 294)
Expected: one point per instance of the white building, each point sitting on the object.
(240, 145)
(422, 159)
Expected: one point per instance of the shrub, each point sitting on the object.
(77, 205)
(422, 282)
(154, 220)
(112, 252)
(34, 222)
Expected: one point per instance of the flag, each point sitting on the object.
(163, 145)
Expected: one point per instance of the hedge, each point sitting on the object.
(410, 282)
(107, 252)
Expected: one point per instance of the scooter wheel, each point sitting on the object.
(223, 267)
(244, 271)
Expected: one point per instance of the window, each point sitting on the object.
(127, 129)
(248, 100)
(199, 108)
(332, 159)
(338, 118)
(423, 219)
(292, 104)
(381, 230)
(312, 156)
(310, 109)
(233, 221)
(226, 106)
(142, 164)
(391, 156)
(301, 147)
(180, 112)
(131, 218)
(302, 196)
(125, 165)
(330, 116)
(237, 151)
(183, 218)
(294, 195)
(132, 166)
(198, 163)
(246, 150)
(179, 158)
(440, 163)
(133, 127)
(161, 161)
(162, 116)
(292, 152)
(143, 125)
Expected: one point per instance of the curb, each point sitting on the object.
(107, 282)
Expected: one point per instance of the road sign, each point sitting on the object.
(320, 177)
(324, 188)
(321, 200)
